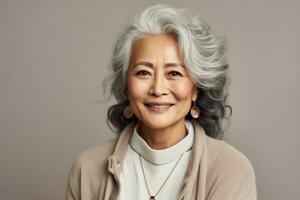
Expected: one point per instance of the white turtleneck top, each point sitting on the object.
(157, 166)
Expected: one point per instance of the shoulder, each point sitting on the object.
(227, 162)
(230, 174)
(88, 170)
(96, 154)
(93, 161)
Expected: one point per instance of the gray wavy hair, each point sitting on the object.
(204, 56)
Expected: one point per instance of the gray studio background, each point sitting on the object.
(53, 57)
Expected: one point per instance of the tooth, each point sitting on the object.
(160, 106)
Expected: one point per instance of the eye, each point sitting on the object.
(143, 73)
(175, 73)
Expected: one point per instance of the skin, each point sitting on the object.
(152, 78)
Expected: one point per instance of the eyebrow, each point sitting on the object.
(148, 64)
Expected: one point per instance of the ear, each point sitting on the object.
(195, 93)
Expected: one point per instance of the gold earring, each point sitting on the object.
(127, 112)
(195, 111)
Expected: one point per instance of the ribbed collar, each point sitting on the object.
(163, 156)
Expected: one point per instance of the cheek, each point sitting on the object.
(183, 89)
(136, 90)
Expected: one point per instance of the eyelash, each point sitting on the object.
(178, 73)
(142, 71)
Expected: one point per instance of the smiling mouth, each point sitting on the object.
(159, 107)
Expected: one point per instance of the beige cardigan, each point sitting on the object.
(216, 171)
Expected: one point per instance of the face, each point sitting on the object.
(159, 89)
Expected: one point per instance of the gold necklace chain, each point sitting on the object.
(153, 197)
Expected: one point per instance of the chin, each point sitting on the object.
(158, 123)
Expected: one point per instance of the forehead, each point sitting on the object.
(159, 46)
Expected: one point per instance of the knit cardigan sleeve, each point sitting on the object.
(233, 177)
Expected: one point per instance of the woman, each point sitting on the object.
(169, 78)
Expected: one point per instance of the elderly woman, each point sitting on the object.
(169, 77)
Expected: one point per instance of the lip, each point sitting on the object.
(158, 103)
(158, 107)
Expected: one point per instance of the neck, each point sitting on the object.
(164, 137)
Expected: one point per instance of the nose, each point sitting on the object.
(159, 85)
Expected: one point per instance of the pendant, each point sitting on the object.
(152, 198)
